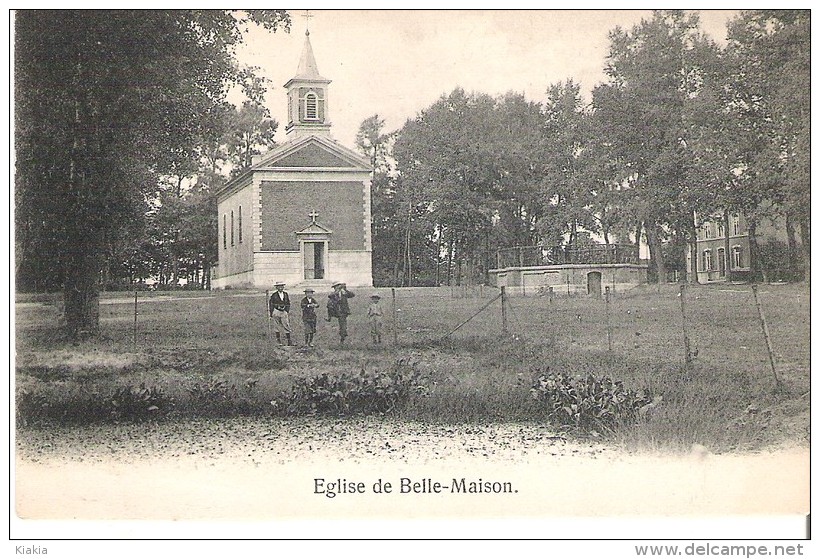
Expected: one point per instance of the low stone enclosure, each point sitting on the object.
(586, 270)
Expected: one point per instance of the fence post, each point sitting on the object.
(135, 319)
(686, 346)
(395, 326)
(765, 333)
(608, 326)
(504, 309)
(550, 294)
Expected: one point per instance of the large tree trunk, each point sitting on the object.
(727, 255)
(81, 291)
(754, 254)
(805, 245)
(692, 269)
(655, 251)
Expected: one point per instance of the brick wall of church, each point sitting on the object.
(286, 205)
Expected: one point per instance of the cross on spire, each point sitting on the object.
(307, 17)
(313, 215)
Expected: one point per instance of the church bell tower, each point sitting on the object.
(307, 98)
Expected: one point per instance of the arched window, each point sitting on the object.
(240, 225)
(735, 225)
(311, 106)
(737, 257)
(721, 262)
(707, 260)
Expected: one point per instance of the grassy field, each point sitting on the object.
(215, 348)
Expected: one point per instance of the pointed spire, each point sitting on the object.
(307, 64)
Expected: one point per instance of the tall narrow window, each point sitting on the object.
(311, 107)
(720, 232)
(224, 231)
(231, 227)
(735, 225)
(706, 227)
(737, 257)
(707, 260)
(239, 229)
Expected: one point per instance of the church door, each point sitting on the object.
(314, 259)
(594, 284)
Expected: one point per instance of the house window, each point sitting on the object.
(721, 262)
(240, 225)
(311, 107)
(705, 230)
(707, 260)
(231, 227)
(720, 232)
(737, 257)
(735, 225)
(224, 231)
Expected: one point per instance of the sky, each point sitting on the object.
(396, 63)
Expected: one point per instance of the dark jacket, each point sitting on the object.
(279, 301)
(337, 303)
(309, 305)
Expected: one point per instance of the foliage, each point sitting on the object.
(108, 105)
(587, 403)
(124, 403)
(376, 392)
(138, 403)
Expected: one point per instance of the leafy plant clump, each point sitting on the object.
(588, 404)
(376, 392)
(138, 403)
(125, 403)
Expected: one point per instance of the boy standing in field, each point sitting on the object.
(374, 313)
(338, 307)
(309, 306)
(278, 310)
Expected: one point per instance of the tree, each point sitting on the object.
(106, 102)
(654, 71)
(769, 52)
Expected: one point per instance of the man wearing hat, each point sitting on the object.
(374, 314)
(338, 307)
(309, 306)
(278, 309)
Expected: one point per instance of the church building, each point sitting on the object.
(301, 213)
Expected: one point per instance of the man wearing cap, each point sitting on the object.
(338, 307)
(309, 306)
(278, 309)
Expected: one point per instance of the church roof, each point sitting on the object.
(307, 71)
(305, 153)
(324, 152)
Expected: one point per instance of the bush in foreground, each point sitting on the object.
(376, 392)
(588, 403)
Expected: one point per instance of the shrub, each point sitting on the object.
(587, 403)
(138, 404)
(363, 393)
(217, 398)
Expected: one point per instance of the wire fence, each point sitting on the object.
(716, 324)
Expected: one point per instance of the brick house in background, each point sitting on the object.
(724, 251)
(301, 212)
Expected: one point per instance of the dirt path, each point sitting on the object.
(264, 470)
